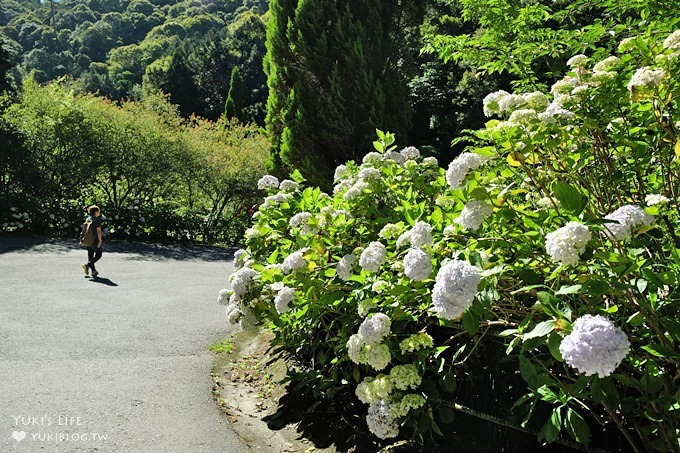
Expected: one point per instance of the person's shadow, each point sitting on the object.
(103, 281)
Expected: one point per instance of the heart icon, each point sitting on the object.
(19, 435)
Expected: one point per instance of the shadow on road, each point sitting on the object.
(103, 281)
(138, 250)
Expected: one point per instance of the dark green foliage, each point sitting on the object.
(333, 78)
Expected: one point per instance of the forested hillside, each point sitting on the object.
(120, 48)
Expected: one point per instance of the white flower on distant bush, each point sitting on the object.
(511, 102)
(344, 267)
(294, 261)
(646, 77)
(356, 190)
(369, 174)
(380, 421)
(356, 349)
(554, 110)
(405, 376)
(565, 244)
(460, 166)
(417, 264)
(654, 199)
(252, 233)
(473, 214)
(430, 162)
(564, 85)
(242, 281)
(595, 345)
(410, 401)
(283, 298)
(375, 328)
(627, 219)
(276, 199)
(365, 306)
(416, 342)
(607, 64)
(289, 186)
(455, 288)
(240, 257)
(301, 220)
(372, 389)
(379, 286)
(491, 100)
(372, 257)
(268, 181)
(233, 313)
(410, 153)
(378, 356)
(577, 61)
(672, 41)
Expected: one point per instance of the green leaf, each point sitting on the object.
(470, 322)
(573, 289)
(577, 427)
(548, 395)
(449, 382)
(551, 428)
(660, 350)
(540, 330)
(554, 341)
(446, 415)
(569, 197)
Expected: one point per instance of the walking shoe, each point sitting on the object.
(94, 272)
(86, 271)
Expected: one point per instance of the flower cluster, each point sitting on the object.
(473, 214)
(267, 182)
(626, 220)
(455, 288)
(242, 281)
(294, 261)
(380, 420)
(565, 244)
(460, 166)
(595, 346)
(372, 257)
(374, 329)
(416, 342)
(344, 267)
(417, 264)
(283, 298)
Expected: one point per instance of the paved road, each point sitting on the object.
(117, 364)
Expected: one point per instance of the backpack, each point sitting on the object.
(87, 235)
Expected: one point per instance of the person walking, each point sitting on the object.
(94, 251)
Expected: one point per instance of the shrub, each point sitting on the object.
(549, 251)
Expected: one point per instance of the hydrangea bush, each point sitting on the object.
(554, 236)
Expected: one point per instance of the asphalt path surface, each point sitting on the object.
(113, 364)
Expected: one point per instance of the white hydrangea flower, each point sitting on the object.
(223, 296)
(629, 218)
(378, 356)
(289, 186)
(356, 349)
(460, 166)
(647, 77)
(511, 102)
(372, 158)
(554, 110)
(252, 233)
(417, 264)
(565, 244)
(365, 306)
(268, 181)
(672, 41)
(416, 342)
(344, 267)
(408, 402)
(473, 214)
(577, 61)
(607, 64)
(421, 234)
(233, 313)
(276, 199)
(372, 389)
(340, 172)
(240, 257)
(491, 101)
(627, 44)
(242, 280)
(379, 285)
(404, 239)
(656, 198)
(595, 345)
(410, 153)
(455, 288)
(356, 190)
(380, 421)
(405, 376)
(389, 231)
(369, 174)
(564, 86)
(372, 257)
(344, 184)
(372, 330)
(394, 156)
(536, 100)
(430, 162)
(299, 218)
(283, 298)
(294, 261)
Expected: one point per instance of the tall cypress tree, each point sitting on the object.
(333, 79)
(233, 107)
